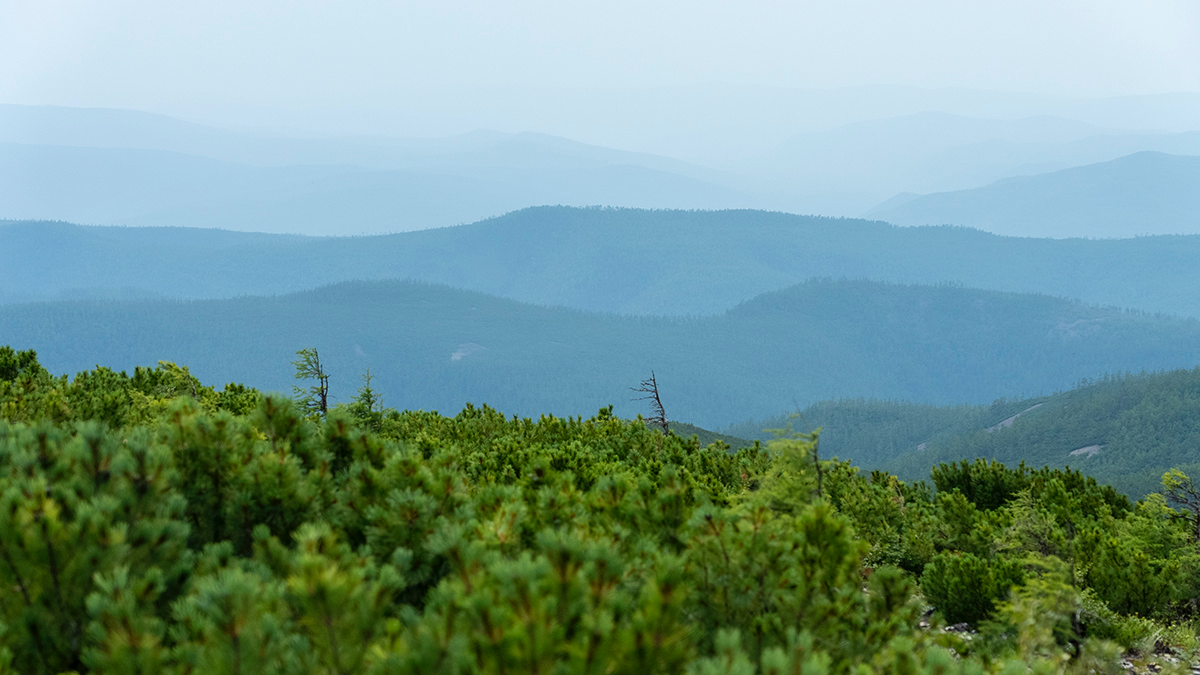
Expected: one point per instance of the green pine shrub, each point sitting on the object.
(966, 588)
(150, 524)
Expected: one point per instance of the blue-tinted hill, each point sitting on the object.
(1140, 194)
(434, 347)
(614, 260)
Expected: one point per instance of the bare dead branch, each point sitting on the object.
(658, 416)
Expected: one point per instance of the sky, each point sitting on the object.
(481, 63)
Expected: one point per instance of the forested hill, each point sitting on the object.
(614, 260)
(1126, 430)
(1142, 193)
(1123, 430)
(433, 347)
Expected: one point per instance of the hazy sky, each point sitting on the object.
(230, 55)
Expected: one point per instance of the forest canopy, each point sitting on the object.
(150, 523)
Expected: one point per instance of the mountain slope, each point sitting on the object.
(1143, 193)
(435, 347)
(615, 260)
(1125, 431)
(874, 432)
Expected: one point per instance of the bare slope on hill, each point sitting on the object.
(614, 260)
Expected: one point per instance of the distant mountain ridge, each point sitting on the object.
(614, 260)
(102, 128)
(1147, 193)
(360, 184)
(819, 340)
(154, 187)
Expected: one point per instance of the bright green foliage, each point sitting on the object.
(367, 406)
(899, 521)
(1043, 619)
(182, 532)
(1127, 577)
(125, 633)
(80, 514)
(235, 620)
(29, 393)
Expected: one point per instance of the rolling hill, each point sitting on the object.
(611, 260)
(848, 169)
(1146, 193)
(1125, 430)
(434, 347)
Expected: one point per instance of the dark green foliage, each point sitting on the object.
(1128, 578)
(874, 431)
(1131, 427)
(706, 437)
(966, 588)
(1138, 425)
(990, 485)
(987, 485)
(14, 364)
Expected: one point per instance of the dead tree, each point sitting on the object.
(658, 415)
(314, 399)
(1181, 489)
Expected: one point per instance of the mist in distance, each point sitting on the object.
(358, 118)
